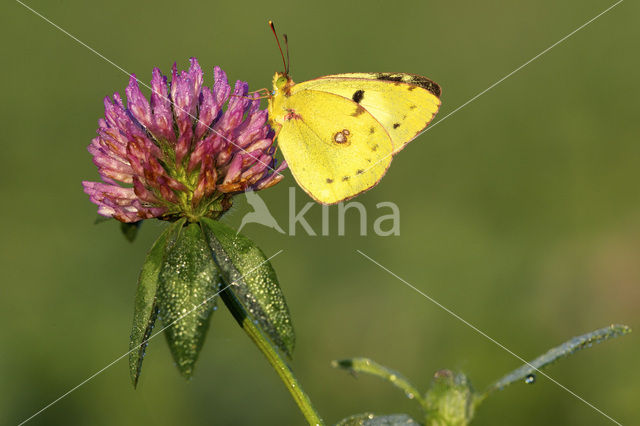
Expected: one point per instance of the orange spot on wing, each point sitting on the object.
(292, 115)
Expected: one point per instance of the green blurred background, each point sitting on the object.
(521, 213)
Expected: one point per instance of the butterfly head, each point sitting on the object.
(282, 83)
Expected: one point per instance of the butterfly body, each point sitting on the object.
(339, 133)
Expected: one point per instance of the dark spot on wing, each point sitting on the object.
(412, 88)
(387, 76)
(412, 107)
(346, 178)
(359, 171)
(425, 83)
(416, 80)
(396, 125)
(372, 130)
(374, 147)
(368, 160)
(359, 110)
(329, 180)
(358, 95)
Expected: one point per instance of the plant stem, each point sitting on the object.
(274, 358)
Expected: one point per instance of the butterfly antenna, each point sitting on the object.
(286, 43)
(273, 28)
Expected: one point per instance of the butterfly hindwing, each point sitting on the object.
(404, 104)
(333, 146)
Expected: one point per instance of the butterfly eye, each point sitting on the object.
(281, 81)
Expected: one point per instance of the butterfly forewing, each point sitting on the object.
(404, 104)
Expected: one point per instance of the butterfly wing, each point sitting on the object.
(404, 104)
(334, 148)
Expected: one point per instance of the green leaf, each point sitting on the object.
(102, 219)
(130, 230)
(145, 310)
(368, 366)
(253, 282)
(564, 350)
(187, 289)
(368, 419)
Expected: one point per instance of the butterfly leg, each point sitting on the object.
(265, 94)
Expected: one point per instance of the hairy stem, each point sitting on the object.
(274, 358)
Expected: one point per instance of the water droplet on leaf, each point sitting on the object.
(530, 379)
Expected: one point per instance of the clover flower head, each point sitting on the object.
(180, 153)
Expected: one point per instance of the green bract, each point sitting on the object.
(253, 283)
(145, 309)
(187, 268)
(187, 287)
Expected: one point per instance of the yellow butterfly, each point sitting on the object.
(338, 133)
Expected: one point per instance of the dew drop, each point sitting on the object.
(530, 379)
